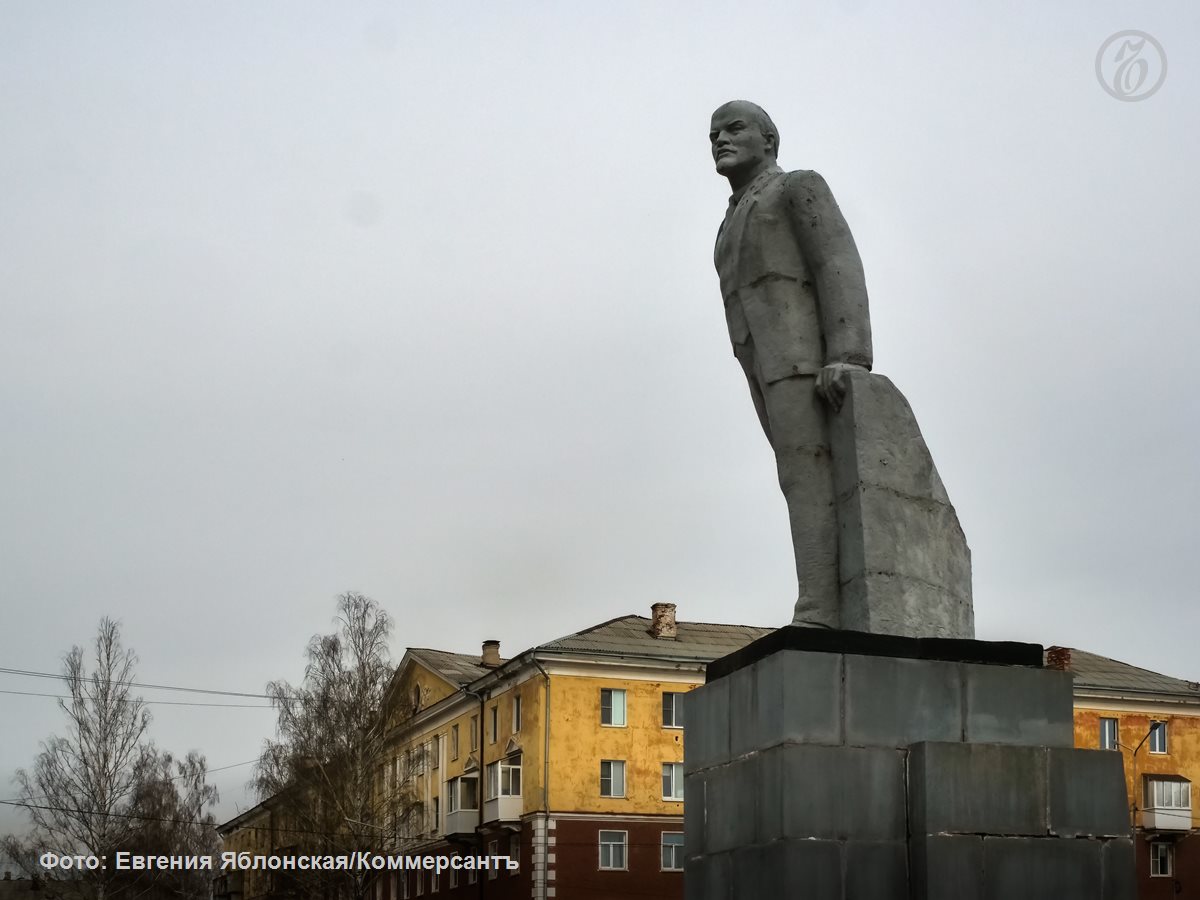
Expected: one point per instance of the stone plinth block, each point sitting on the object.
(847, 766)
(904, 565)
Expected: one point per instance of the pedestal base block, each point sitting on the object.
(842, 766)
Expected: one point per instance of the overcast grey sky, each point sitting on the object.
(418, 299)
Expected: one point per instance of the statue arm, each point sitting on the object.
(832, 258)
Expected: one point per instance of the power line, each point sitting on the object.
(155, 687)
(139, 699)
(18, 802)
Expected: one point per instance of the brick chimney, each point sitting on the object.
(662, 621)
(491, 654)
(1058, 658)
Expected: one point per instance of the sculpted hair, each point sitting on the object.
(765, 125)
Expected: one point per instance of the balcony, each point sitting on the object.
(503, 809)
(1167, 819)
(1168, 803)
(461, 822)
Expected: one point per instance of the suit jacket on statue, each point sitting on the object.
(791, 277)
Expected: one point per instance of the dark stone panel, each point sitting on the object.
(1120, 870)
(946, 867)
(839, 792)
(1087, 793)
(1041, 869)
(799, 698)
(1014, 705)
(876, 870)
(808, 869)
(897, 702)
(731, 812)
(706, 711)
(977, 789)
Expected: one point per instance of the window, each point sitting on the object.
(403, 887)
(1158, 737)
(516, 713)
(504, 777)
(434, 883)
(493, 851)
(437, 815)
(612, 849)
(1161, 859)
(493, 723)
(436, 750)
(1108, 734)
(612, 707)
(514, 853)
(453, 878)
(672, 851)
(463, 793)
(1168, 793)
(672, 781)
(612, 779)
(672, 710)
(472, 876)
(420, 883)
(454, 742)
(474, 732)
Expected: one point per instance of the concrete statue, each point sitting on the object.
(887, 755)
(877, 544)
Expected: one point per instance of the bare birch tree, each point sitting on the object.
(323, 768)
(79, 791)
(102, 787)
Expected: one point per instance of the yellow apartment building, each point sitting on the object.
(567, 757)
(1153, 721)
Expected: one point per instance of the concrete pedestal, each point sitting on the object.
(848, 766)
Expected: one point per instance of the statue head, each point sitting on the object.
(744, 140)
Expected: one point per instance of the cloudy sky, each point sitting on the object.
(417, 299)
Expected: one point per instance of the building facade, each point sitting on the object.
(568, 758)
(1153, 721)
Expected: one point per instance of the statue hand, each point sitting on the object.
(830, 384)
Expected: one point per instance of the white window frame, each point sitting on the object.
(454, 741)
(622, 843)
(516, 722)
(616, 771)
(501, 780)
(672, 779)
(1168, 793)
(1158, 736)
(1164, 861)
(435, 751)
(676, 709)
(453, 878)
(1109, 741)
(474, 733)
(616, 711)
(493, 852)
(676, 849)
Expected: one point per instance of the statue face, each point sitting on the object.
(738, 143)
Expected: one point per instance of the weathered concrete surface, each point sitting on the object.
(904, 566)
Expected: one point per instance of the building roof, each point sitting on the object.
(458, 668)
(1101, 673)
(630, 636)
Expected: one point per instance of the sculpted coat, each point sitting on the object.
(792, 282)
